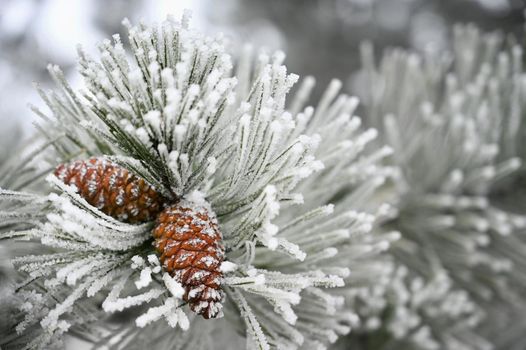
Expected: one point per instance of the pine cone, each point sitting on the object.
(188, 241)
(112, 189)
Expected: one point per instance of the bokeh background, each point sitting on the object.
(320, 37)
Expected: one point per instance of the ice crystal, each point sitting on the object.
(290, 185)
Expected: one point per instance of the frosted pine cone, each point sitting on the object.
(188, 241)
(112, 189)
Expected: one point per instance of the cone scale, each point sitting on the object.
(112, 189)
(188, 242)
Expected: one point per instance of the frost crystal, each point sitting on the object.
(290, 185)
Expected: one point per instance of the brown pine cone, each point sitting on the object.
(189, 243)
(112, 189)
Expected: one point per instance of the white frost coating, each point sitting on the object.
(198, 198)
(227, 266)
(328, 209)
(153, 314)
(270, 229)
(184, 323)
(170, 311)
(175, 288)
(256, 337)
(137, 262)
(212, 165)
(145, 279)
(153, 119)
(259, 280)
(119, 304)
(256, 280)
(254, 159)
(286, 311)
(272, 204)
(292, 249)
(153, 260)
(90, 227)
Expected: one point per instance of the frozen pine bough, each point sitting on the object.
(19, 169)
(278, 194)
(453, 121)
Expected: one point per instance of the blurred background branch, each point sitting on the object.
(321, 37)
